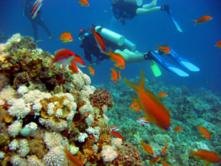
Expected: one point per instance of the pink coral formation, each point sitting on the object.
(100, 98)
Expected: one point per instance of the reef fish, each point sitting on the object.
(66, 37)
(36, 8)
(204, 132)
(207, 155)
(153, 109)
(116, 134)
(162, 94)
(84, 2)
(91, 70)
(147, 148)
(218, 44)
(165, 49)
(99, 39)
(74, 160)
(115, 75)
(178, 129)
(64, 54)
(117, 59)
(203, 19)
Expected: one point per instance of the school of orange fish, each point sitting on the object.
(155, 112)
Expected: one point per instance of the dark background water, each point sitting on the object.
(148, 32)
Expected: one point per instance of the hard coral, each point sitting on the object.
(101, 97)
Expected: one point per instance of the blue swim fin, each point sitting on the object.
(175, 23)
(168, 66)
(183, 62)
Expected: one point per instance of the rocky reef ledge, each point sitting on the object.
(48, 114)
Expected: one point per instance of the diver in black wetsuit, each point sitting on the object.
(124, 10)
(89, 46)
(37, 21)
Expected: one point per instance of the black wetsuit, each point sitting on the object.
(37, 21)
(123, 11)
(90, 48)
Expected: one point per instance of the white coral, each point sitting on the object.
(117, 142)
(108, 153)
(94, 131)
(14, 128)
(23, 147)
(87, 79)
(2, 155)
(52, 139)
(22, 90)
(18, 161)
(82, 137)
(29, 129)
(53, 125)
(34, 161)
(19, 109)
(14, 144)
(90, 119)
(86, 108)
(34, 96)
(55, 157)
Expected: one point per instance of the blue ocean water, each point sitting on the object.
(196, 43)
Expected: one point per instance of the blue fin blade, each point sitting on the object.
(168, 66)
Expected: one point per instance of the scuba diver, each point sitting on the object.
(127, 9)
(127, 49)
(32, 12)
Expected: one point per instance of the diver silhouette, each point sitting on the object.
(37, 21)
(127, 49)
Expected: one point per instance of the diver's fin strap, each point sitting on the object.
(183, 62)
(168, 66)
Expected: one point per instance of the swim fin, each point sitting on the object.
(168, 66)
(183, 62)
(175, 23)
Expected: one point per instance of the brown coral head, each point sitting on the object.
(101, 97)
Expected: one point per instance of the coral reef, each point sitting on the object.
(49, 116)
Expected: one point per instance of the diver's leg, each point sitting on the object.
(41, 23)
(140, 11)
(150, 5)
(35, 30)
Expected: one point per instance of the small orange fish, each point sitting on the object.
(74, 160)
(84, 2)
(155, 160)
(178, 129)
(164, 149)
(165, 49)
(135, 106)
(117, 134)
(203, 19)
(218, 44)
(66, 37)
(151, 106)
(147, 148)
(115, 75)
(204, 132)
(117, 59)
(162, 94)
(207, 155)
(99, 39)
(91, 70)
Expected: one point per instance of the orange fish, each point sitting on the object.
(155, 160)
(99, 39)
(162, 94)
(135, 106)
(116, 134)
(204, 132)
(203, 19)
(218, 44)
(84, 2)
(66, 37)
(74, 160)
(178, 129)
(63, 54)
(164, 149)
(91, 70)
(153, 109)
(117, 59)
(207, 155)
(115, 75)
(147, 148)
(165, 49)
